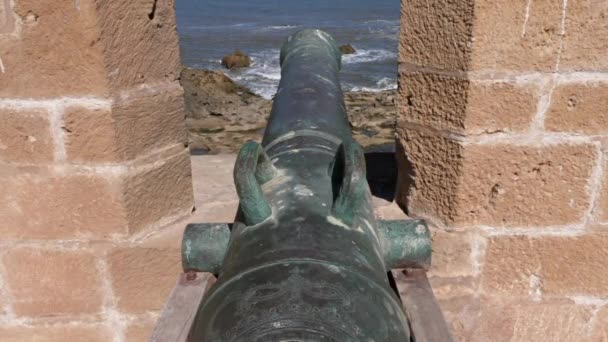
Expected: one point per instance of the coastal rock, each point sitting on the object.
(347, 49)
(221, 114)
(238, 59)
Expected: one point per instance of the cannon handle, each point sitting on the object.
(252, 169)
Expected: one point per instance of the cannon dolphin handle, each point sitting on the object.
(305, 259)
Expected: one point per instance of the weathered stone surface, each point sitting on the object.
(545, 321)
(44, 282)
(148, 120)
(465, 106)
(142, 278)
(585, 46)
(35, 66)
(139, 331)
(433, 100)
(552, 265)
(139, 42)
(44, 204)
(90, 135)
(436, 34)
(516, 35)
(159, 190)
(25, 136)
(496, 184)
(7, 21)
(500, 107)
(452, 254)
(600, 331)
(579, 108)
(436, 164)
(459, 303)
(519, 185)
(601, 211)
(139, 123)
(481, 35)
(56, 333)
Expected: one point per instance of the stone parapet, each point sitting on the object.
(502, 131)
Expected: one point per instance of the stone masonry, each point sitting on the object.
(93, 162)
(504, 121)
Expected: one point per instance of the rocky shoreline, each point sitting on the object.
(221, 115)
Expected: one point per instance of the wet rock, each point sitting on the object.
(238, 59)
(347, 49)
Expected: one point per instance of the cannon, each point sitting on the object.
(305, 259)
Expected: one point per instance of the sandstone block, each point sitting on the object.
(600, 331)
(90, 135)
(518, 185)
(152, 193)
(142, 278)
(496, 184)
(139, 42)
(436, 34)
(43, 204)
(57, 333)
(25, 136)
(585, 46)
(7, 22)
(551, 265)
(146, 121)
(601, 211)
(56, 53)
(518, 36)
(46, 282)
(436, 164)
(545, 321)
(465, 106)
(132, 126)
(139, 332)
(452, 254)
(579, 108)
(472, 35)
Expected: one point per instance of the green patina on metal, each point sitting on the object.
(306, 259)
(204, 246)
(405, 243)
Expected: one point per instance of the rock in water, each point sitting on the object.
(347, 49)
(236, 60)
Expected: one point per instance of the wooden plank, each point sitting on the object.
(426, 319)
(179, 312)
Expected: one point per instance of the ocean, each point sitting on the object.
(211, 29)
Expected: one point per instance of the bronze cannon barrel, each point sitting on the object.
(305, 260)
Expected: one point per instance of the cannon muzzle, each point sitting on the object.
(305, 259)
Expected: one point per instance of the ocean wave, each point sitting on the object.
(217, 27)
(279, 27)
(385, 83)
(368, 55)
(263, 76)
(383, 22)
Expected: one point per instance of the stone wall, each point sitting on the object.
(93, 164)
(504, 121)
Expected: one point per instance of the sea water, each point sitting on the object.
(211, 29)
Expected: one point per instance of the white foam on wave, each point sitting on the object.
(385, 83)
(368, 55)
(279, 27)
(263, 76)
